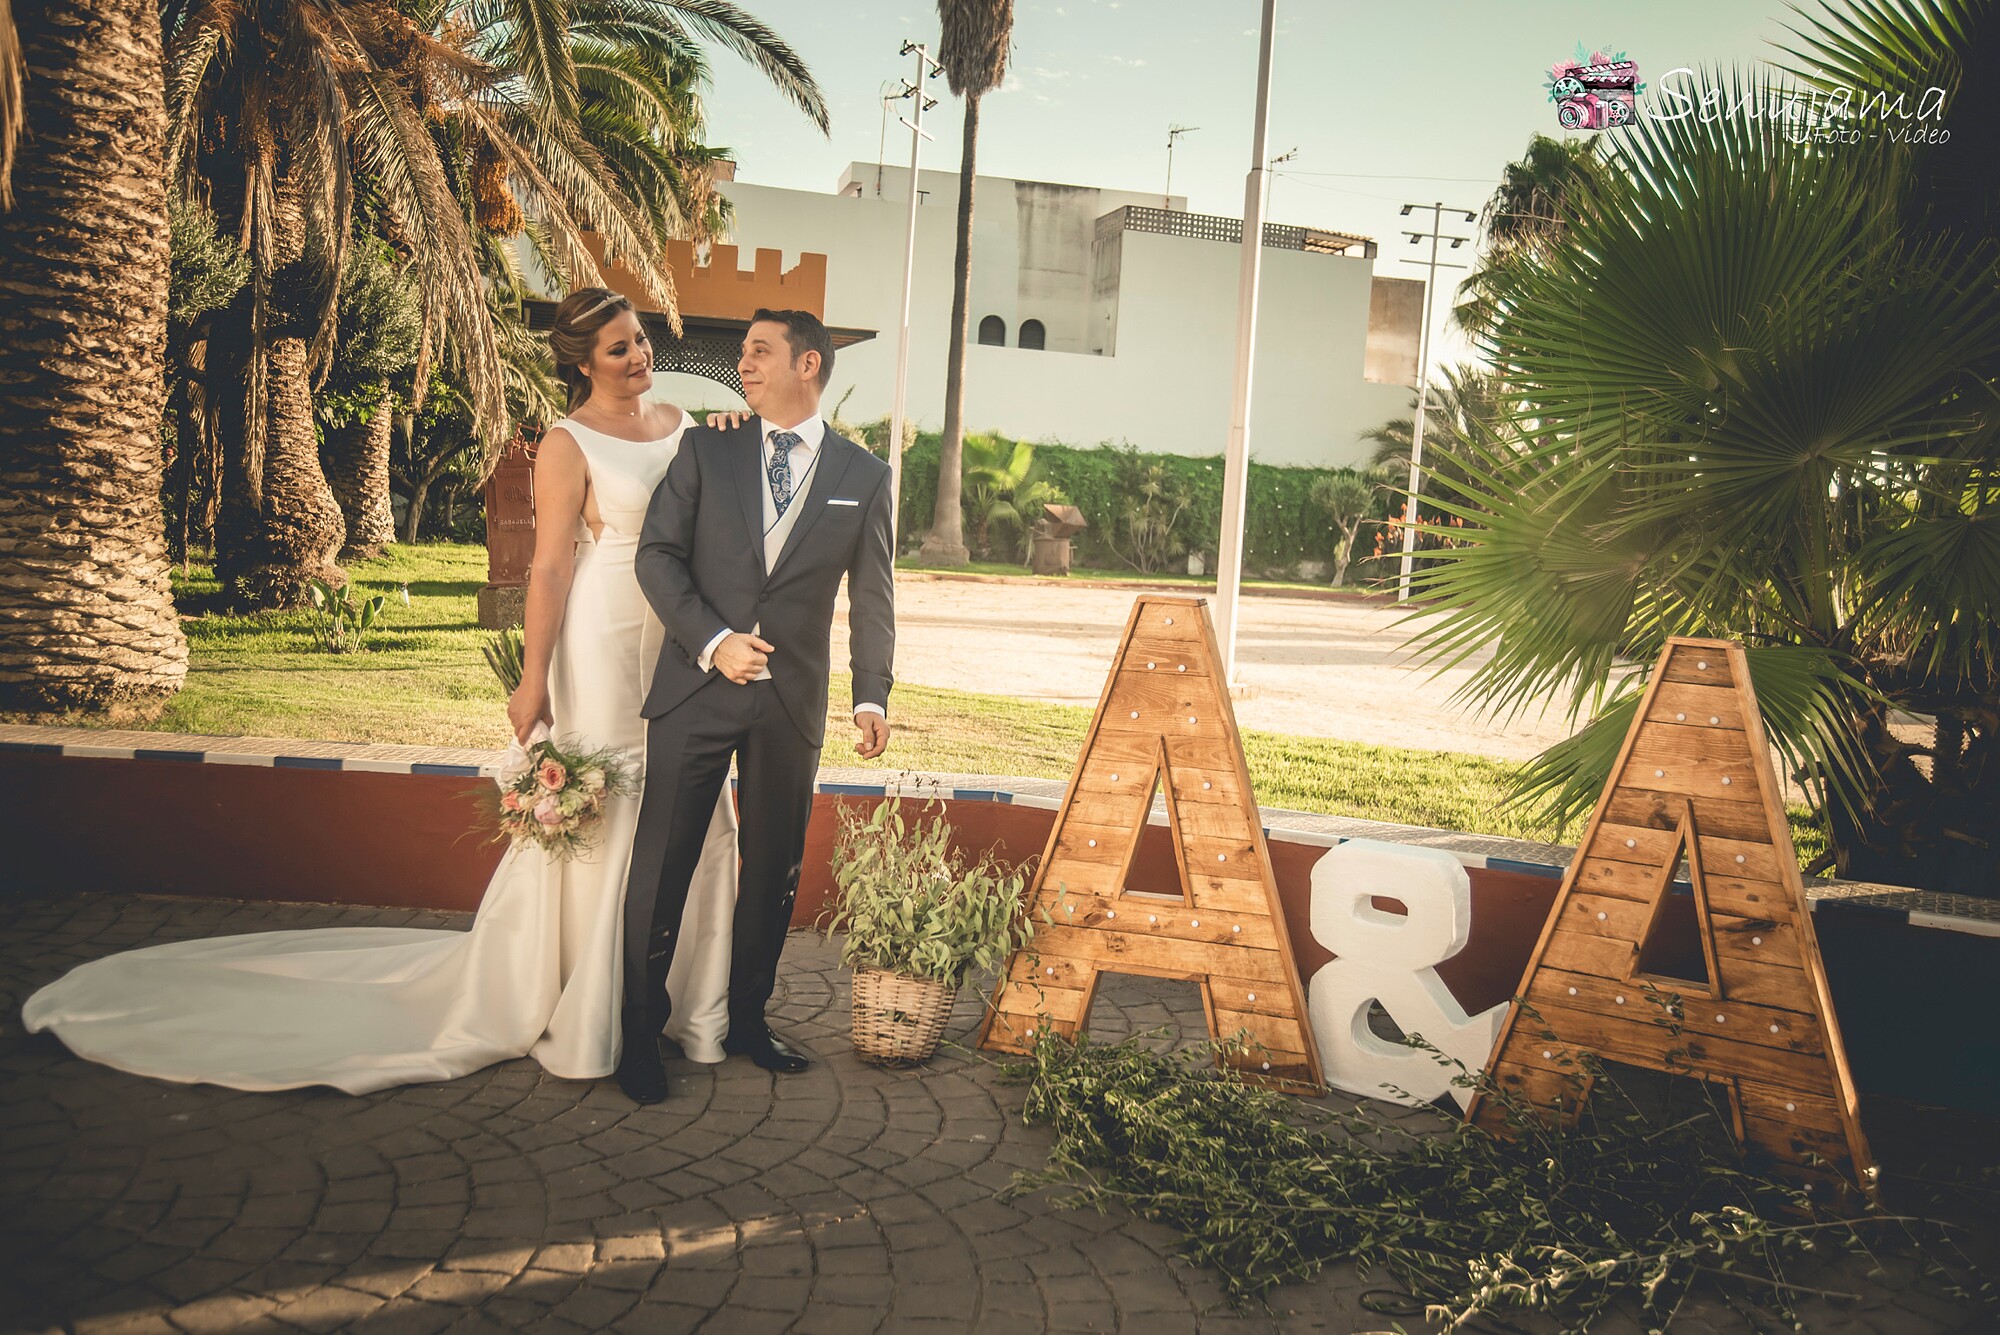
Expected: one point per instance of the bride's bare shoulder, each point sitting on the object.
(559, 448)
(668, 418)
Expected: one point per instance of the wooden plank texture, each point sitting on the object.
(1694, 776)
(1163, 726)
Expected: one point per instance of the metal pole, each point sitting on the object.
(925, 68)
(1417, 426)
(1408, 563)
(1236, 462)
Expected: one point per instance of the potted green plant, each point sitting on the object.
(920, 917)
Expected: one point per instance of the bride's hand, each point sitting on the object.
(527, 706)
(728, 421)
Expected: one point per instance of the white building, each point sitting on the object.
(1097, 315)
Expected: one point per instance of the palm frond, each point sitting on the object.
(399, 155)
(974, 38)
(740, 33)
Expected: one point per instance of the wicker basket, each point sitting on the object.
(898, 1018)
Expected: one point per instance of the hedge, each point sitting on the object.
(1283, 526)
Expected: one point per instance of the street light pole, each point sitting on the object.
(926, 69)
(1423, 380)
(1236, 461)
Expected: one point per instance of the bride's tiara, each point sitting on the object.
(609, 298)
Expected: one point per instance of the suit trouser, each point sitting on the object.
(688, 750)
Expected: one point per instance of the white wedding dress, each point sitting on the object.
(540, 971)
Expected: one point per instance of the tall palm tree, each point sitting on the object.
(973, 50)
(279, 106)
(86, 620)
(10, 100)
(1531, 211)
(1758, 404)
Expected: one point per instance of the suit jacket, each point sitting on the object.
(701, 566)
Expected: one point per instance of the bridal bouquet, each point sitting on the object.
(553, 797)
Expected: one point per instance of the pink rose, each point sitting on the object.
(510, 800)
(552, 775)
(549, 812)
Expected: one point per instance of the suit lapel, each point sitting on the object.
(747, 456)
(834, 457)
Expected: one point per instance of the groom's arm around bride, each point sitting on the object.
(742, 555)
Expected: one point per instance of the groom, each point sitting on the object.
(741, 555)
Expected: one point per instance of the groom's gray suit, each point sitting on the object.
(707, 567)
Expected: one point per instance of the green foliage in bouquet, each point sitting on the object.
(340, 623)
(913, 905)
(1628, 1205)
(554, 797)
(503, 654)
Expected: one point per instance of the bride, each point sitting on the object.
(538, 974)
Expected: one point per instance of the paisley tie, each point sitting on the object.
(782, 445)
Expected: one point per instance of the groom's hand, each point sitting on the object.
(741, 657)
(874, 734)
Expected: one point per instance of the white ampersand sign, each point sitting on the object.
(1391, 958)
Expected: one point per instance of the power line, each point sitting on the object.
(1385, 176)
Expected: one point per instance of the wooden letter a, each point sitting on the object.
(1753, 1014)
(1164, 722)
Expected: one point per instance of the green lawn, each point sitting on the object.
(425, 681)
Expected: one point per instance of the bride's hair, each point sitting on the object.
(574, 337)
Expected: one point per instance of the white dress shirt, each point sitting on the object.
(804, 459)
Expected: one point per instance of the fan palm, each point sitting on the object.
(86, 621)
(1751, 406)
(973, 50)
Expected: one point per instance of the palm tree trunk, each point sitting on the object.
(945, 543)
(86, 616)
(301, 527)
(357, 468)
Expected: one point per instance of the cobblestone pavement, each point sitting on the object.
(848, 1199)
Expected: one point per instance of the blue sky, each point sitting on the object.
(1424, 100)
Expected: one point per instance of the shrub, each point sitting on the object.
(1281, 523)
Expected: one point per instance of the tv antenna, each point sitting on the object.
(1174, 132)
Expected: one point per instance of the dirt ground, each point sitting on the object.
(1320, 669)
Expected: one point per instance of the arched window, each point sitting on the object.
(1033, 335)
(993, 332)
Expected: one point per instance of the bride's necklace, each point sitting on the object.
(608, 415)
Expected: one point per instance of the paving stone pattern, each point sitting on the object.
(846, 1200)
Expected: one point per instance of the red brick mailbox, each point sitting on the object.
(510, 536)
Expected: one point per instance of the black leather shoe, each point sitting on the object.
(641, 1074)
(767, 1050)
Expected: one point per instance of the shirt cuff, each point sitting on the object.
(870, 707)
(706, 660)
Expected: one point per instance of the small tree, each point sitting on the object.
(1150, 501)
(381, 326)
(1347, 497)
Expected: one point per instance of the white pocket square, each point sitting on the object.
(835, 500)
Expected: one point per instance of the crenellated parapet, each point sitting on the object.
(722, 289)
